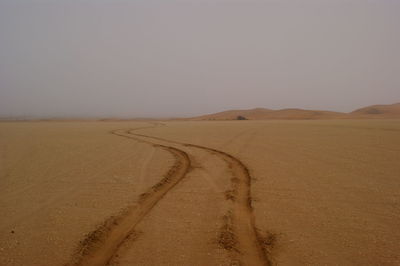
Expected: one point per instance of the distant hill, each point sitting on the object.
(303, 114)
(378, 111)
(262, 113)
(374, 111)
(254, 114)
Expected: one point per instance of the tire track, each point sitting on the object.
(100, 245)
(239, 234)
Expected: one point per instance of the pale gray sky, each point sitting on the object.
(181, 58)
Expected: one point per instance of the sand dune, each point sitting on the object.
(303, 114)
(378, 111)
(262, 113)
(256, 113)
(374, 111)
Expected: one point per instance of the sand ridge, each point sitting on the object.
(374, 111)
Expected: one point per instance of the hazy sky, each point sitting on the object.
(181, 58)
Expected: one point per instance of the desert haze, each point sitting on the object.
(199, 132)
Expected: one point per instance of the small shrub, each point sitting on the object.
(239, 117)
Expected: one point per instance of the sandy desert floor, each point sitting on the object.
(200, 193)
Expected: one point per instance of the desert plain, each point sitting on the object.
(303, 192)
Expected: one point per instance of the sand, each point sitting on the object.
(60, 181)
(318, 192)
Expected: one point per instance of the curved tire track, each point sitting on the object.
(100, 245)
(246, 245)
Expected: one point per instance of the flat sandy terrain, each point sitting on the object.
(200, 193)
